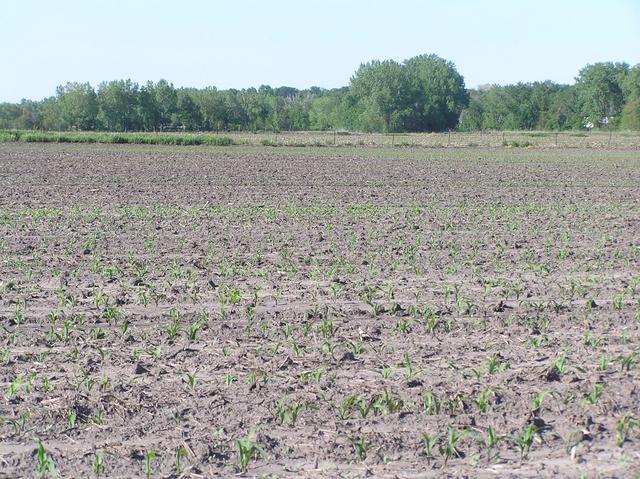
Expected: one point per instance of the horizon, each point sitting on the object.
(495, 44)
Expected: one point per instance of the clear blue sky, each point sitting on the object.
(242, 43)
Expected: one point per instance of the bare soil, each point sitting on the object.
(330, 306)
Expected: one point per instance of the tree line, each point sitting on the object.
(423, 93)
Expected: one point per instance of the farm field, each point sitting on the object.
(319, 312)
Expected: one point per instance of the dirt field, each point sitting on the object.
(319, 312)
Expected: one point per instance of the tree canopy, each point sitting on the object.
(423, 93)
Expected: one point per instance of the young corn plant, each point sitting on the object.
(537, 402)
(192, 380)
(482, 401)
(431, 404)
(192, 330)
(430, 442)
(248, 449)
(449, 448)
(360, 446)
(626, 424)
(490, 441)
(149, 457)
(627, 362)
(46, 466)
(181, 453)
(98, 464)
(288, 413)
(525, 440)
(594, 396)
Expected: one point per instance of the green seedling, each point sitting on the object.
(594, 396)
(149, 457)
(449, 448)
(288, 413)
(359, 447)
(46, 466)
(192, 380)
(181, 453)
(627, 362)
(482, 400)
(491, 441)
(525, 440)
(229, 379)
(248, 449)
(98, 464)
(626, 424)
(430, 442)
(431, 404)
(536, 403)
(193, 329)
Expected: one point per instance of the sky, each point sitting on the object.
(244, 43)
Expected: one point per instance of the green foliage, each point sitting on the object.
(78, 104)
(631, 116)
(131, 138)
(423, 93)
(524, 106)
(599, 90)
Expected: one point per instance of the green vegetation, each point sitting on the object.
(423, 93)
(132, 138)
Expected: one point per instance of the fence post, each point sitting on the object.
(609, 137)
(503, 142)
(393, 139)
(556, 138)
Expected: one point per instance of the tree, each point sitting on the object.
(188, 116)
(438, 93)
(167, 101)
(118, 105)
(631, 115)
(425, 93)
(382, 96)
(148, 109)
(600, 93)
(51, 115)
(78, 105)
(631, 90)
(328, 109)
(9, 112)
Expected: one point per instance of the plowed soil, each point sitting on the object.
(333, 309)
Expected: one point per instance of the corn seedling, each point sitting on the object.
(149, 457)
(181, 453)
(247, 449)
(359, 447)
(429, 442)
(482, 400)
(288, 413)
(594, 396)
(449, 448)
(525, 440)
(431, 404)
(491, 441)
(98, 464)
(192, 380)
(46, 466)
(192, 330)
(626, 424)
(536, 403)
(627, 362)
